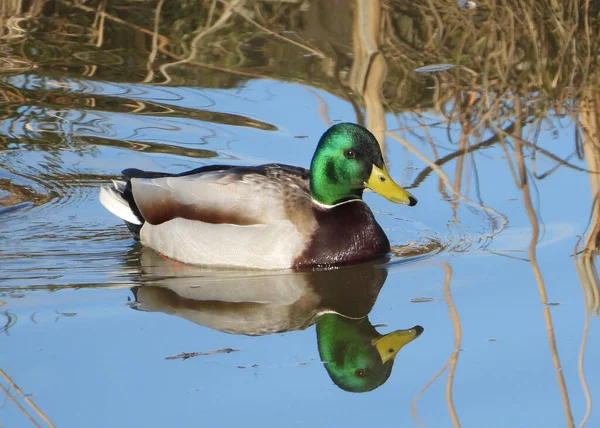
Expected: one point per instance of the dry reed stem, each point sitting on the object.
(27, 399)
(247, 17)
(154, 50)
(590, 119)
(448, 183)
(533, 219)
(581, 270)
(322, 110)
(163, 41)
(19, 406)
(116, 19)
(369, 68)
(585, 260)
(452, 360)
(457, 343)
(100, 24)
(228, 11)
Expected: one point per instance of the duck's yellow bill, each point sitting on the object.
(389, 345)
(381, 182)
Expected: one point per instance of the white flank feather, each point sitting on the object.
(114, 202)
(258, 246)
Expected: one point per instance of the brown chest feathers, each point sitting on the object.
(347, 233)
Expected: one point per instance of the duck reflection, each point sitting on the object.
(356, 356)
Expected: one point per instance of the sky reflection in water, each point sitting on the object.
(91, 316)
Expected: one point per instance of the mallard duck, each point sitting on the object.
(269, 216)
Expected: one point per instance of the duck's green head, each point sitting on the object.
(355, 355)
(348, 159)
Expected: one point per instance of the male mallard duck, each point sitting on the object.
(268, 217)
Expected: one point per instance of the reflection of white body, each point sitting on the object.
(253, 302)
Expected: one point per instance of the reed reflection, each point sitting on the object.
(356, 356)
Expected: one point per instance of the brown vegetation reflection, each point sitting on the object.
(524, 180)
(452, 360)
(586, 252)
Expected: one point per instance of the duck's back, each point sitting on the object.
(218, 194)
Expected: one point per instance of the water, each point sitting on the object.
(497, 262)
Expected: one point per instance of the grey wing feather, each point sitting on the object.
(242, 195)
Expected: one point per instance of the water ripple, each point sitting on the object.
(178, 102)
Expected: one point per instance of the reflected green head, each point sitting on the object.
(355, 355)
(349, 358)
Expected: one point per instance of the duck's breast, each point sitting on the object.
(346, 233)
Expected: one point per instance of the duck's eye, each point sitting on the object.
(350, 154)
(360, 372)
